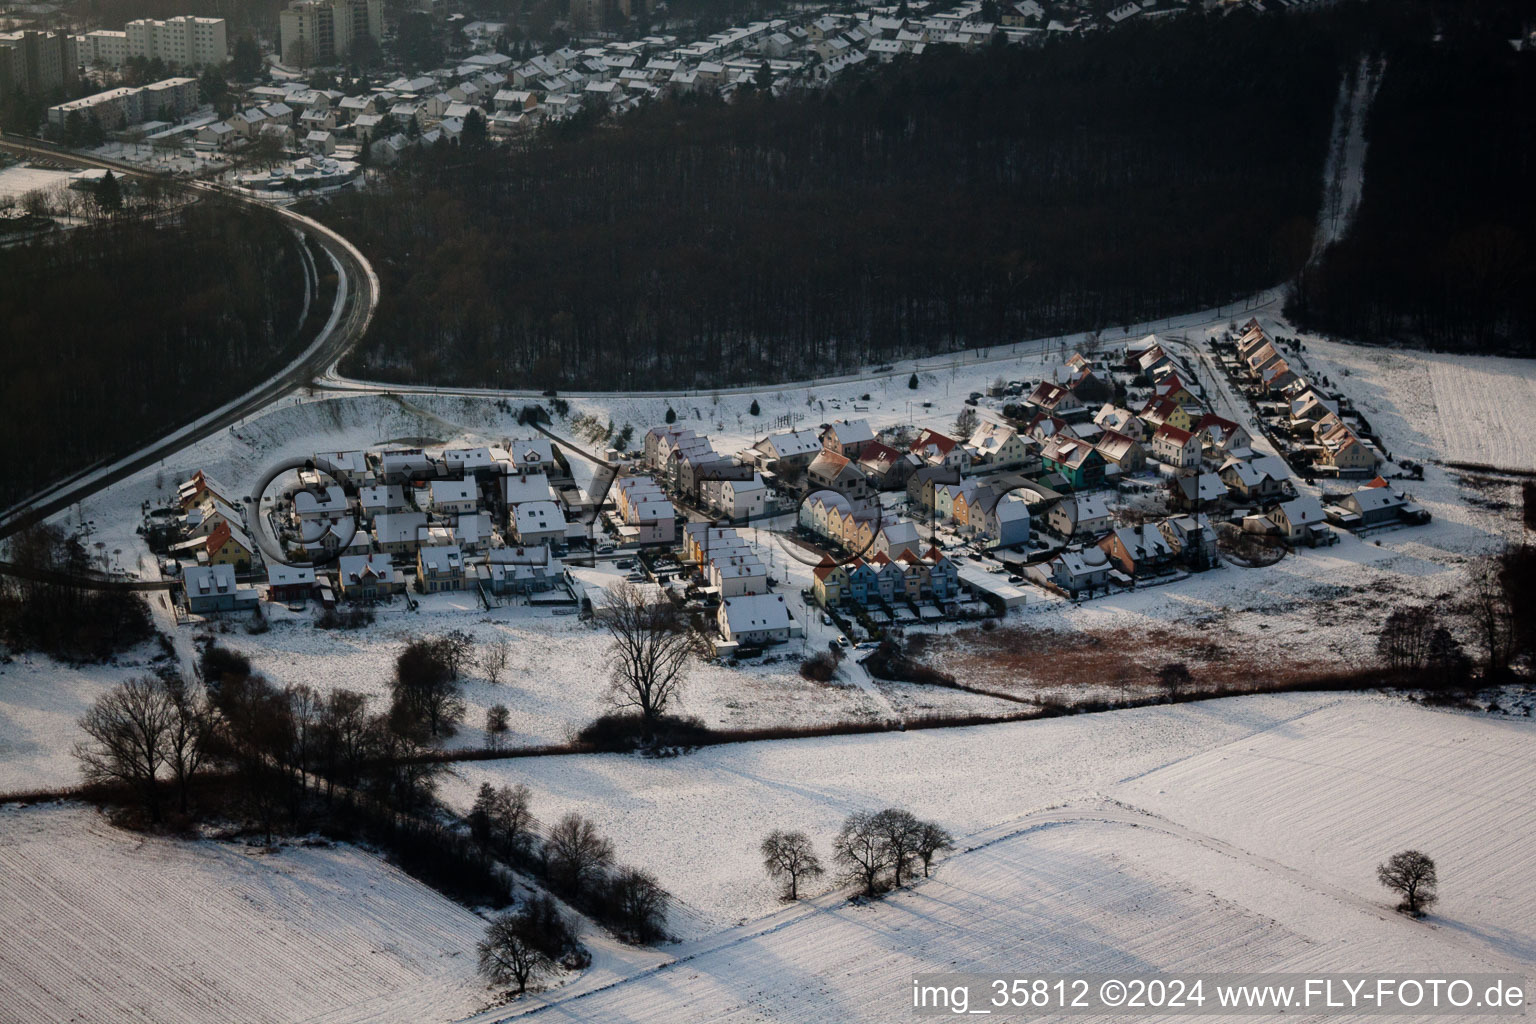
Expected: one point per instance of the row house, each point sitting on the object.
(649, 518)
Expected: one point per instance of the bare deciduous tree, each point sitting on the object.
(186, 739)
(127, 728)
(1411, 874)
(899, 833)
(641, 903)
(1404, 639)
(789, 856)
(653, 645)
(931, 840)
(860, 849)
(494, 657)
(509, 954)
(497, 719)
(576, 853)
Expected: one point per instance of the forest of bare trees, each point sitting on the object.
(946, 201)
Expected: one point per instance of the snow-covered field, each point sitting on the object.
(40, 703)
(1076, 891)
(696, 820)
(1331, 793)
(1432, 405)
(1258, 823)
(19, 179)
(102, 925)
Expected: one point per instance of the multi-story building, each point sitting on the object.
(324, 31)
(36, 63)
(185, 41)
(103, 48)
(118, 108)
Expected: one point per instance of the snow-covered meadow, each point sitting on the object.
(696, 820)
(97, 924)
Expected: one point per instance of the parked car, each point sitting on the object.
(826, 620)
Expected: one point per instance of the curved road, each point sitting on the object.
(357, 298)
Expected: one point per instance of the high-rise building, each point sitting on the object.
(36, 63)
(186, 41)
(103, 48)
(324, 31)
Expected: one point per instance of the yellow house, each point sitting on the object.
(830, 584)
(225, 547)
(1349, 455)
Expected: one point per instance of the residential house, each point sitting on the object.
(1302, 521)
(324, 503)
(367, 578)
(756, 620)
(1139, 550)
(440, 567)
(1376, 504)
(833, 472)
(520, 570)
(1193, 540)
(538, 522)
(534, 455)
(1161, 412)
(1083, 515)
(1223, 436)
(998, 446)
(1075, 572)
(1055, 400)
(895, 538)
(829, 584)
(1255, 479)
(1121, 421)
(347, 467)
(211, 589)
(848, 438)
(936, 449)
(1077, 462)
(227, 545)
(1197, 492)
(1122, 450)
(787, 452)
(649, 518)
(199, 488)
(398, 533)
(1003, 520)
(886, 468)
(1175, 447)
(1348, 455)
(289, 583)
(381, 499)
(924, 481)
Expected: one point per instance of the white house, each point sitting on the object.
(756, 619)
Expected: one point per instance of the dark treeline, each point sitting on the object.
(1441, 253)
(65, 619)
(954, 200)
(111, 334)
